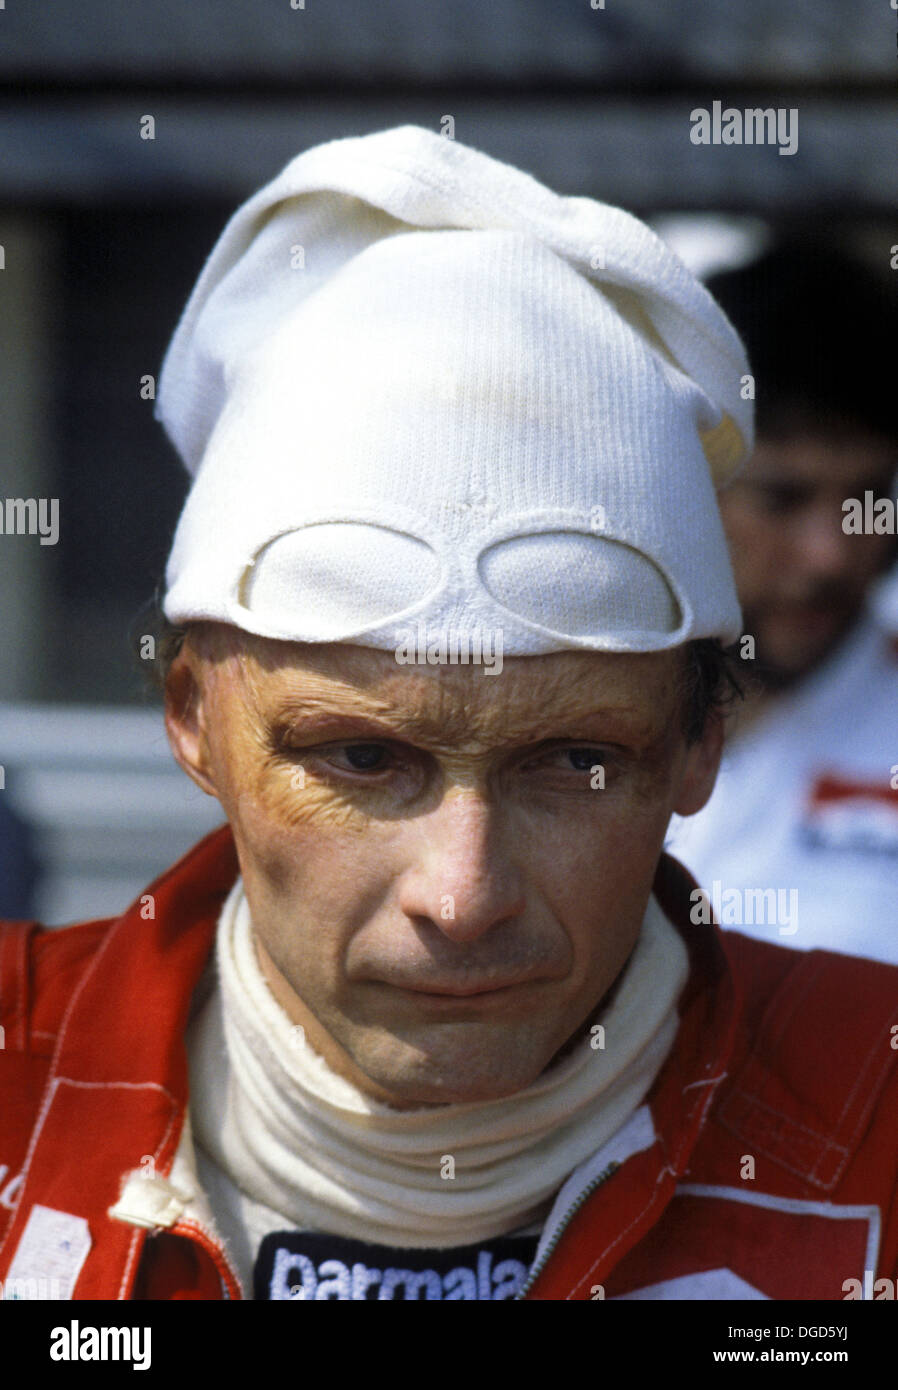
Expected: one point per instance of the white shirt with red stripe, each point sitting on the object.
(806, 804)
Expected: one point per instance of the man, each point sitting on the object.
(806, 807)
(428, 1018)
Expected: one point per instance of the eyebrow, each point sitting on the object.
(385, 722)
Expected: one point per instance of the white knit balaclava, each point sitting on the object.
(415, 387)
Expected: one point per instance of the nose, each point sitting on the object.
(828, 552)
(462, 878)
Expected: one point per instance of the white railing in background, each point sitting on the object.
(108, 805)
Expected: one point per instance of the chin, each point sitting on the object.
(792, 651)
(456, 1076)
(450, 1091)
(793, 668)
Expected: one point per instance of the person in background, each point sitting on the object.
(805, 809)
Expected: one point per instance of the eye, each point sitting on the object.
(582, 759)
(379, 762)
(360, 757)
(780, 498)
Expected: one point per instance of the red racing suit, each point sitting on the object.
(763, 1162)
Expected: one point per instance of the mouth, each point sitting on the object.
(457, 993)
(813, 618)
(821, 605)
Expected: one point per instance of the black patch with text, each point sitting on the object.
(302, 1265)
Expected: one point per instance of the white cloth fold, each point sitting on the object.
(415, 385)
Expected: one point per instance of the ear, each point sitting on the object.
(702, 763)
(185, 718)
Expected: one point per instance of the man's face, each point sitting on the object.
(801, 580)
(440, 889)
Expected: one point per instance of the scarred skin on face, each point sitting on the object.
(441, 890)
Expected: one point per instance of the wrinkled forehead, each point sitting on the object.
(321, 685)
